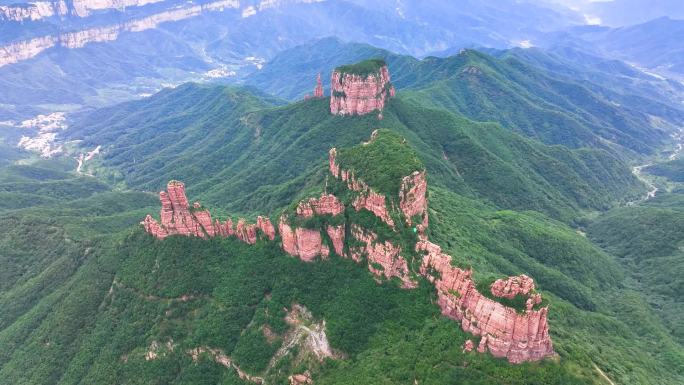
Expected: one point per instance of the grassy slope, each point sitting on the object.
(673, 170)
(260, 160)
(647, 239)
(558, 98)
(551, 108)
(77, 331)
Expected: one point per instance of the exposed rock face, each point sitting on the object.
(222, 359)
(383, 257)
(512, 286)
(246, 233)
(301, 242)
(327, 204)
(300, 379)
(318, 91)
(505, 332)
(354, 94)
(519, 335)
(23, 50)
(33, 11)
(84, 8)
(81, 8)
(178, 218)
(375, 203)
(336, 234)
(367, 199)
(264, 224)
(412, 197)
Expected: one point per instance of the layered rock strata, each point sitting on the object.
(360, 94)
(512, 286)
(307, 244)
(384, 258)
(179, 218)
(505, 332)
(23, 50)
(38, 10)
(518, 335)
(367, 198)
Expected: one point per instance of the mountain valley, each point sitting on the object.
(338, 192)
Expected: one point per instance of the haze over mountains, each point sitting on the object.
(59, 56)
(390, 192)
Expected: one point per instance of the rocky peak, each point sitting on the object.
(318, 91)
(327, 204)
(179, 218)
(361, 88)
(388, 199)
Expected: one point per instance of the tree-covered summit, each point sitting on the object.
(363, 68)
(382, 162)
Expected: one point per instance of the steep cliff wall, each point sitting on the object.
(23, 50)
(179, 218)
(505, 332)
(360, 89)
(38, 10)
(318, 224)
(367, 198)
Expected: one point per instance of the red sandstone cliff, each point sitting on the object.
(367, 198)
(354, 94)
(326, 204)
(518, 335)
(178, 218)
(318, 91)
(306, 243)
(505, 333)
(413, 197)
(383, 257)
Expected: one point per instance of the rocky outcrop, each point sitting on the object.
(222, 359)
(383, 257)
(300, 379)
(304, 243)
(375, 203)
(176, 216)
(413, 197)
(360, 93)
(38, 10)
(505, 332)
(23, 50)
(512, 286)
(83, 8)
(367, 198)
(336, 234)
(179, 218)
(318, 91)
(518, 335)
(327, 204)
(95, 35)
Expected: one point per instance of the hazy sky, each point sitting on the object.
(623, 12)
